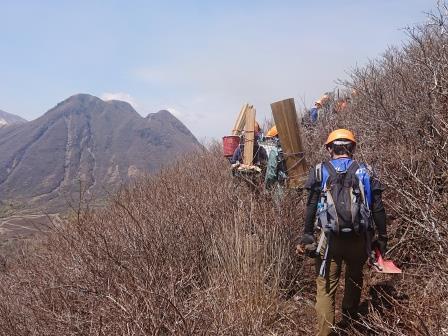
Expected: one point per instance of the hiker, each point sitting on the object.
(322, 105)
(314, 111)
(345, 197)
(276, 167)
(260, 156)
(341, 105)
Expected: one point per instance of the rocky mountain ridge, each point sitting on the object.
(85, 143)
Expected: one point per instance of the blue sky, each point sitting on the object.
(200, 59)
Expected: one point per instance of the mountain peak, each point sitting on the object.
(83, 138)
(87, 104)
(120, 104)
(166, 117)
(10, 119)
(82, 97)
(164, 114)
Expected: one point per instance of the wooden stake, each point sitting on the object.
(285, 117)
(240, 120)
(249, 137)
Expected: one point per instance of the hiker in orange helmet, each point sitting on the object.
(340, 105)
(272, 132)
(324, 99)
(345, 197)
(315, 111)
(321, 105)
(276, 166)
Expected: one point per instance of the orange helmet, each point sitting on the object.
(340, 134)
(324, 99)
(340, 105)
(272, 132)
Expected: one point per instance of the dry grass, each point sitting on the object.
(400, 114)
(188, 252)
(185, 252)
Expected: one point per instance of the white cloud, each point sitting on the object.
(226, 66)
(123, 96)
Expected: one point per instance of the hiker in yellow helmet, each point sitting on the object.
(345, 197)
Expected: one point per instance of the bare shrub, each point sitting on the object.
(180, 253)
(188, 252)
(400, 114)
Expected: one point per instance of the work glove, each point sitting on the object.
(307, 245)
(381, 244)
(307, 239)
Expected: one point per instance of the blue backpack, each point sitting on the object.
(344, 204)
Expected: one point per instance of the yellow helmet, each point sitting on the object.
(340, 134)
(272, 132)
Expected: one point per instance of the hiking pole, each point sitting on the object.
(324, 260)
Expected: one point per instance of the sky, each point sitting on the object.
(201, 60)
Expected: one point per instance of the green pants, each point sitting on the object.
(350, 249)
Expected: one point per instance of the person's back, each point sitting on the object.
(260, 156)
(315, 111)
(276, 168)
(342, 195)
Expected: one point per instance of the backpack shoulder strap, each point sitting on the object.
(330, 168)
(354, 166)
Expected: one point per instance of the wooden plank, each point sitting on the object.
(288, 127)
(240, 120)
(249, 137)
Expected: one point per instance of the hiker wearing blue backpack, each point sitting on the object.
(345, 202)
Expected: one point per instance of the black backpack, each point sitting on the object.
(342, 207)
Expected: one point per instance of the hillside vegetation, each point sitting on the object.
(191, 252)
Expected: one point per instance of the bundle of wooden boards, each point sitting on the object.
(285, 117)
(246, 120)
(288, 127)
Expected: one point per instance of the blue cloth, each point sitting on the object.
(260, 155)
(314, 114)
(237, 155)
(342, 165)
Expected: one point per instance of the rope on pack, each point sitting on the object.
(300, 155)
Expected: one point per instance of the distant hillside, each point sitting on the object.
(10, 119)
(100, 143)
